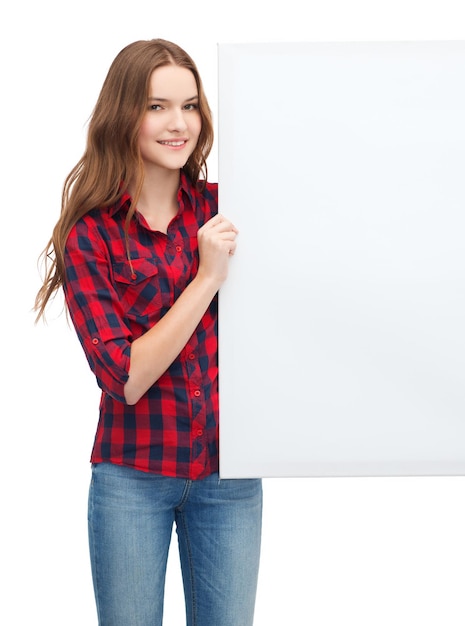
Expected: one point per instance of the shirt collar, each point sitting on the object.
(189, 190)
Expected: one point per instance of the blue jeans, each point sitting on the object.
(218, 522)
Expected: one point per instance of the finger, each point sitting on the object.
(214, 221)
(227, 234)
(220, 223)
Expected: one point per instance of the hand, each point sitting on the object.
(217, 243)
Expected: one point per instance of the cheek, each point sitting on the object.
(196, 126)
(144, 130)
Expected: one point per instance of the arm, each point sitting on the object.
(153, 352)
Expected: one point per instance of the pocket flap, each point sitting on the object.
(136, 271)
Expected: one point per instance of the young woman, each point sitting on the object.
(141, 252)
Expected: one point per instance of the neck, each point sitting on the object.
(158, 198)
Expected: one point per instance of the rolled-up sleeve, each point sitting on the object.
(95, 308)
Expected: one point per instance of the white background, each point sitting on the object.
(343, 315)
(352, 552)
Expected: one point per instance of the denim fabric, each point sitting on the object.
(218, 522)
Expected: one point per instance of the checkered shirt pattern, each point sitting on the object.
(173, 429)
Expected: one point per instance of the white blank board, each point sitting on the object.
(342, 335)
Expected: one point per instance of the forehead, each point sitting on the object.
(171, 82)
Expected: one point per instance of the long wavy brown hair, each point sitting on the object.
(112, 159)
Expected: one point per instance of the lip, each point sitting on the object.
(174, 144)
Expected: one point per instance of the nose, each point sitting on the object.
(177, 121)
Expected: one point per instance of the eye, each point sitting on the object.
(155, 107)
(191, 107)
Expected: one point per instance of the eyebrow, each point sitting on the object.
(167, 100)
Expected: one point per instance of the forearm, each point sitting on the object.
(153, 352)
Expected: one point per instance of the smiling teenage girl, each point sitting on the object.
(141, 251)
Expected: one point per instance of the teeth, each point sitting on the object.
(172, 143)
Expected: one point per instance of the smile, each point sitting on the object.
(174, 144)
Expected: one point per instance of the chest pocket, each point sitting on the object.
(140, 288)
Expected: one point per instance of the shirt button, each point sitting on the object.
(178, 249)
(95, 341)
(199, 432)
(133, 276)
(197, 393)
(191, 356)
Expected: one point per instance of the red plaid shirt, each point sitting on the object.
(173, 429)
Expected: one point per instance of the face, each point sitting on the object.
(172, 123)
